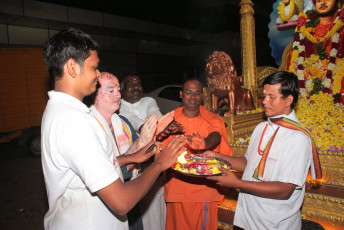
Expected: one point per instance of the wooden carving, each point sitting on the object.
(225, 86)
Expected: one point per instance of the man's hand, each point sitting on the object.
(195, 141)
(210, 154)
(173, 128)
(229, 180)
(143, 155)
(164, 121)
(169, 155)
(149, 128)
(139, 156)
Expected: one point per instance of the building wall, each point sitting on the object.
(162, 54)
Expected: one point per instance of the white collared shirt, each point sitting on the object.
(76, 164)
(288, 161)
(137, 112)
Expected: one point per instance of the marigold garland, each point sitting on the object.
(315, 69)
(327, 68)
(338, 76)
(281, 8)
(339, 24)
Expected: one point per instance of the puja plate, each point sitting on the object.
(201, 167)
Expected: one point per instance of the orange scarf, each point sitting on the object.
(290, 124)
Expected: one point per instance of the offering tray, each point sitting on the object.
(199, 166)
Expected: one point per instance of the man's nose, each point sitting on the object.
(98, 74)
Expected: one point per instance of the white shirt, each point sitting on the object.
(77, 162)
(288, 161)
(136, 113)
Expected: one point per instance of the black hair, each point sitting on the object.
(289, 84)
(66, 44)
(192, 79)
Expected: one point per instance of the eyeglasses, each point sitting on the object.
(195, 93)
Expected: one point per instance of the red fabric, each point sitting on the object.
(190, 216)
(181, 188)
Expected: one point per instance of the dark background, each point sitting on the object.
(209, 16)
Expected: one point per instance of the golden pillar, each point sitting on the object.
(248, 51)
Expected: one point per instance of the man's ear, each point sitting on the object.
(180, 93)
(73, 68)
(289, 100)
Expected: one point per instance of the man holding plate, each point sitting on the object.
(276, 162)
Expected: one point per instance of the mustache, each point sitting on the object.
(135, 91)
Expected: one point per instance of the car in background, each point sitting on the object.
(167, 97)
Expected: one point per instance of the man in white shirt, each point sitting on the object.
(276, 163)
(133, 106)
(82, 174)
(105, 104)
(136, 109)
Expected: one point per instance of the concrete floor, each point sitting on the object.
(23, 199)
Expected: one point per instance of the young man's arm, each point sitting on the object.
(296, 146)
(270, 189)
(273, 189)
(238, 163)
(137, 157)
(121, 197)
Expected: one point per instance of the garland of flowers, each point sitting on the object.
(338, 25)
(314, 70)
(281, 8)
(306, 23)
(338, 76)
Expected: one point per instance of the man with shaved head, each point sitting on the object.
(192, 203)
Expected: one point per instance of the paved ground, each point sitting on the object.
(23, 200)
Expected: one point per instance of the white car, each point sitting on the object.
(167, 97)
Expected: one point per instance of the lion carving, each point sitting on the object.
(224, 85)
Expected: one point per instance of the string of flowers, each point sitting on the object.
(338, 76)
(306, 24)
(281, 7)
(314, 72)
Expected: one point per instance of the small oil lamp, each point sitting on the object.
(181, 159)
(313, 183)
